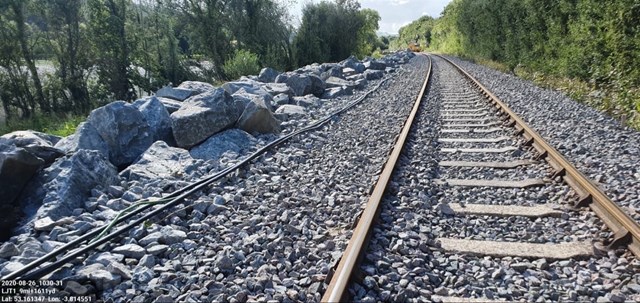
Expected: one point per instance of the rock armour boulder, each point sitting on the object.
(160, 161)
(204, 115)
(157, 118)
(258, 118)
(124, 129)
(231, 140)
(65, 185)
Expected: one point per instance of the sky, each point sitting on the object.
(394, 14)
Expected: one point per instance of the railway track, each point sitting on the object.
(478, 206)
(470, 204)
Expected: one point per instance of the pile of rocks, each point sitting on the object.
(178, 135)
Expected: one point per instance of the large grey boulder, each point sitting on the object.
(22, 138)
(17, 167)
(160, 161)
(375, 65)
(248, 86)
(291, 111)
(281, 99)
(170, 104)
(373, 74)
(231, 140)
(277, 88)
(157, 118)
(317, 86)
(300, 84)
(267, 75)
(37, 143)
(179, 94)
(64, 186)
(353, 63)
(281, 78)
(204, 115)
(307, 101)
(196, 86)
(334, 71)
(85, 137)
(257, 117)
(335, 92)
(338, 82)
(124, 129)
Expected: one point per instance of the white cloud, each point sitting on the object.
(393, 13)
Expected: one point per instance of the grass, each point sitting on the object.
(50, 124)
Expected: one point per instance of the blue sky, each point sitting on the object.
(393, 13)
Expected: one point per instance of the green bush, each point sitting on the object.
(242, 63)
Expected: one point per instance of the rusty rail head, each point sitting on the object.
(625, 228)
(340, 280)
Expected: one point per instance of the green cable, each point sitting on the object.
(125, 211)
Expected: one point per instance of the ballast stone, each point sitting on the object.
(231, 140)
(160, 161)
(124, 129)
(204, 115)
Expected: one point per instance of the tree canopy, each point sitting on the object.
(69, 56)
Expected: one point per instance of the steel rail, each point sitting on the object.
(626, 229)
(28, 273)
(340, 280)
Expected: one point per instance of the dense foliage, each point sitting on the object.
(588, 40)
(62, 58)
(331, 31)
(418, 31)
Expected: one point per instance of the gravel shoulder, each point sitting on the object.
(595, 143)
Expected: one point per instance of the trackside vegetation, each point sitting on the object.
(590, 49)
(59, 59)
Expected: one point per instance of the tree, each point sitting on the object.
(69, 47)
(21, 35)
(332, 31)
(261, 27)
(206, 20)
(107, 24)
(367, 39)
